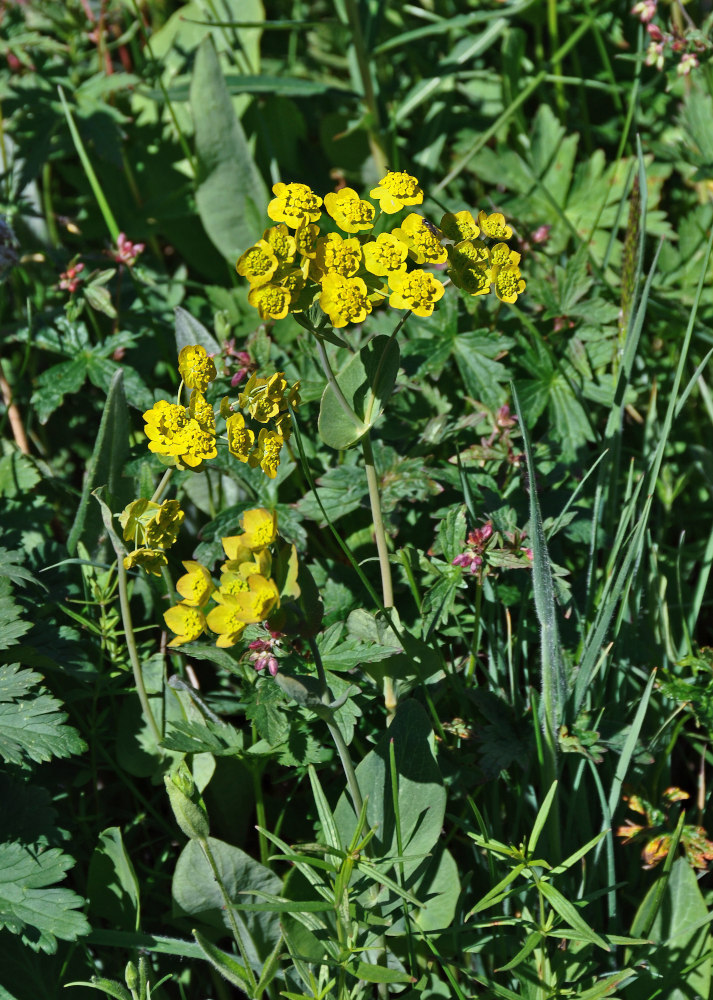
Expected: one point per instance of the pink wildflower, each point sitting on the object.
(688, 62)
(70, 279)
(126, 251)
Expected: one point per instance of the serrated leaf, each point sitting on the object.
(54, 384)
(32, 726)
(12, 626)
(18, 474)
(28, 904)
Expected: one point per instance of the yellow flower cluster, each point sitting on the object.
(245, 595)
(350, 274)
(153, 528)
(187, 434)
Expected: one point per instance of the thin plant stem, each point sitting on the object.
(161, 488)
(133, 652)
(227, 902)
(382, 549)
(362, 57)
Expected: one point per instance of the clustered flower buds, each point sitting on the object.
(153, 528)
(675, 42)
(186, 435)
(347, 275)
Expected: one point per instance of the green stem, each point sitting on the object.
(375, 128)
(227, 902)
(160, 489)
(133, 652)
(336, 389)
(382, 548)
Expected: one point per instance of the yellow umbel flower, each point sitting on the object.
(335, 255)
(195, 367)
(507, 282)
(385, 255)
(259, 529)
(271, 301)
(306, 236)
(262, 397)
(155, 525)
(187, 622)
(473, 280)
(349, 211)
(256, 604)
(196, 586)
(494, 225)
(293, 204)
(267, 454)
(345, 300)
(224, 621)
(152, 560)
(202, 412)
(281, 243)
(258, 263)
(469, 254)
(396, 190)
(232, 582)
(422, 239)
(240, 437)
(165, 423)
(197, 445)
(501, 254)
(416, 290)
(459, 226)
(293, 280)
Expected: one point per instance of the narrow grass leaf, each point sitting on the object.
(571, 915)
(541, 818)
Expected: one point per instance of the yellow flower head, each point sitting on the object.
(508, 282)
(416, 290)
(196, 586)
(196, 369)
(335, 255)
(256, 603)
(149, 559)
(468, 254)
(281, 243)
(494, 225)
(306, 236)
(196, 446)
(293, 280)
(224, 621)
(202, 412)
(422, 239)
(501, 254)
(345, 300)
(396, 190)
(293, 204)
(259, 529)
(459, 226)
(283, 426)
(267, 455)
(472, 280)
(248, 562)
(263, 396)
(165, 422)
(385, 255)
(232, 582)
(271, 301)
(240, 437)
(349, 211)
(258, 263)
(162, 530)
(187, 622)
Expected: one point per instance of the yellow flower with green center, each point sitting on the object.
(293, 204)
(267, 455)
(335, 255)
(494, 225)
(306, 236)
(271, 301)
(293, 280)
(385, 255)
(196, 446)
(459, 226)
(349, 211)
(258, 263)
(469, 253)
(507, 282)
(196, 586)
(262, 397)
(240, 437)
(195, 367)
(232, 583)
(283, 426)
(202, 412)
(152, 560)
(281, 243)
(397, 190)
(248, 561)
(416, 290)
(259, 529)
(345, 300)
(422, 239)
(258, 602)
(473, 280)
(165, 422)
(224, 621)
(188, 623)
(501, 254)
